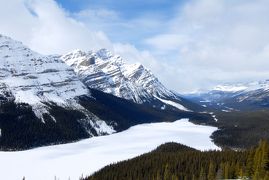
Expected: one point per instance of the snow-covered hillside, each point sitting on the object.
(109, 73)
(28, 77)
(37, 80)
(40, 100)
(86, 156)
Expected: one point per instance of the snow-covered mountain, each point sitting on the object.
(43, 101)
(39, 83)
(109, 73)
(238, 96)
(28, 77)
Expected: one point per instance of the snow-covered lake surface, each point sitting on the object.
(86, 156)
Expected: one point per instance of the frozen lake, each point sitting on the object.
(86, 156)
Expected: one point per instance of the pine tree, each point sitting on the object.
(226, 170)
(241, 173)
(211, 171)
(202, 175)
(264, 157)
(158, 176)
(250, 163)
(257, 163)
(166, 174)
(219, 174)
(174, 177)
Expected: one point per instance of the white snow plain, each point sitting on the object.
(70, 161)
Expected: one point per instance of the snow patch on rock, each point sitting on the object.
(174, 104)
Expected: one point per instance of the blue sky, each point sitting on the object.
(127, 11)
(127, 8)
(187, 44)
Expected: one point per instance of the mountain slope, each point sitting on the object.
(42, 101)
(128, 113)
(38, 97)
(106, 72)
(28, 77)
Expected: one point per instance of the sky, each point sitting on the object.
(188, 44)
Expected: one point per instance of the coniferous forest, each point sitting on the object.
(173, 161)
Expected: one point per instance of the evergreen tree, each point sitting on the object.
(226, 170)
(264, 157)
(250, 164)
(166, 173)
(202, 175)
(174, 177)
(158, 176)
(211, 171)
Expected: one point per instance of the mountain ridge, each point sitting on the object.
(109, 73)
(43, 101)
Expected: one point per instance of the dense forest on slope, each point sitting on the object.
(128, 113)
(174, 161)
(21, 129)
(241, 129)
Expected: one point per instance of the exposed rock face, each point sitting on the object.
(109, 73)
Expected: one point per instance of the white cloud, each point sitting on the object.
(47, 28)
(132, 55)
(165, 72)
(167, 41)
(216, 41)
(206, 43)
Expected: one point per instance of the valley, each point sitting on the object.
(87, 156)
(134, 90)
(104, 110)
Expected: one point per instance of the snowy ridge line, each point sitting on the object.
(240, 87)
(109, 73)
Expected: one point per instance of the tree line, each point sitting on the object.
(173, 161)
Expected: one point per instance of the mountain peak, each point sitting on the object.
(36, 79)
(104, 54)
(109, 73)
(9, 44)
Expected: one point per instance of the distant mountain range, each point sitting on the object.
(56, 99)
(241, 111)
(241, 96)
